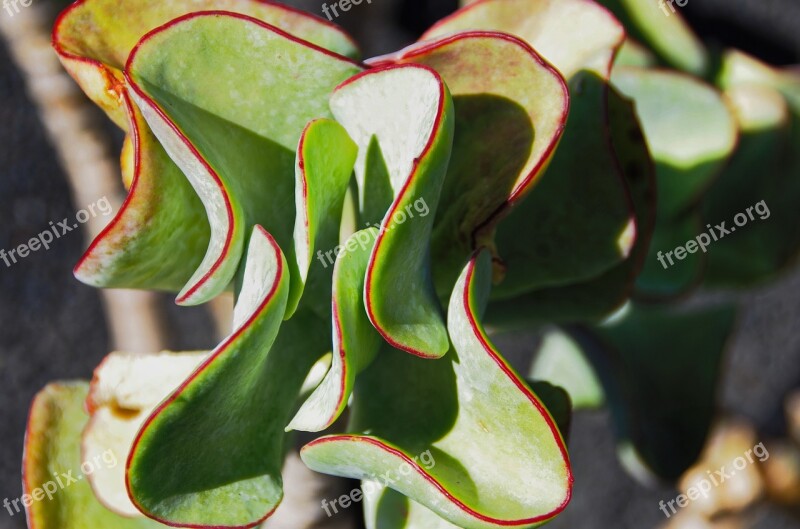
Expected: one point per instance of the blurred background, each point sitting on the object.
(58, 154)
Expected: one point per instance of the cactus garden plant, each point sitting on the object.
(519, 167)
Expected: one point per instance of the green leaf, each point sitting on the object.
(158, 237)
(560, 361)
(53, 459)
(508, 121)
(689, 129)
(105, 31)
(409, 111)
(211, 453)
(385, 508)
(664, 30)
(325, 159)
(597, 298)
(660, 369)
(125, 390)
(761, 186)
(577, 222)
(668, 273)
(355, 340)
(571, 34)
(631, 53)
(738, 68)
(691, 134)
(489, 437)
(557, 402)
(238, 154)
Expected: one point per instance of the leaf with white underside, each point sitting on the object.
(409, 112)
(124, 391)
(158, 237)
(52, 449)
(570, 34)
(510, 110)
(498, 457)
(355, 341)
(574, 35)
(385, 507)
(238, 154)
(530, 259)
(237, 404)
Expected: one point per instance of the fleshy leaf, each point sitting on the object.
(641, 358)
(497, 455)
(557, 402)
(53, 453)
(325, 159)
(689, 129)
(761, 185)
(561, 361)
(664, 275)
(238, 155)
(101, 33)
(510, 109)
(157, 239)
(563, 244)
(355, 340)
(125, 389)
(570, 34)
(93, 38)
(631, 53)
(387, 508)
(691, 134)
(738, 68)
(211, 453)
(597, 298)
(758, 183)
(661, 26)
(409, 111)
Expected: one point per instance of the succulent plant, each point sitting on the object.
(517, 168)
